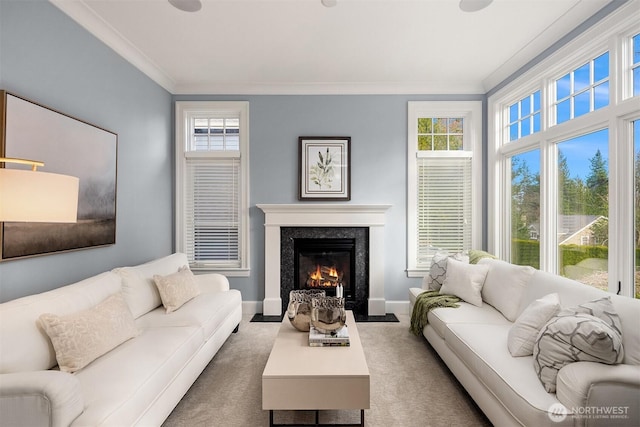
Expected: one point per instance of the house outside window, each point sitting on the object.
(444, 212)
(569, 179)
(212, 185)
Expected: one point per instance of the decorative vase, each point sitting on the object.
(328, 314)
(299, 308)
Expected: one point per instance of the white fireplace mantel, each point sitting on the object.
(323, 215)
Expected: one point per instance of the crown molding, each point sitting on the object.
(331, 88)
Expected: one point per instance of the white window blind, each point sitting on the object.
(444, 205)
(213, 212)
(212, 185)
(444, 176)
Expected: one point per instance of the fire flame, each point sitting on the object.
(323, 277)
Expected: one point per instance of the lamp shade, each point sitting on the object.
(33, 196)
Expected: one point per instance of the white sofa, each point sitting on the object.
(472, 341)
(140, 381)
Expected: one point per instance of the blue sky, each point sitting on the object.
(579, 152)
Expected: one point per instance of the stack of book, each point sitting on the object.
(340, 338)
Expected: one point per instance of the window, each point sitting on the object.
(560, 192)
(583, 208)
(212, 164)
(583, 90)
(525, 208)
(444, 180)
(524, 116)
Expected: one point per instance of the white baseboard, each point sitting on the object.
(251, 307)
(396, 307)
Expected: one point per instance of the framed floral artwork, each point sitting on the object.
(325, 168)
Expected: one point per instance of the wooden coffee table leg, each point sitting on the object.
(362, 418)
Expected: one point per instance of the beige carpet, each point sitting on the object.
(410, 385)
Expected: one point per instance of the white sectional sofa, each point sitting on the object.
(138, 382)
(473, 342)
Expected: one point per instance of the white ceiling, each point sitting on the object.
(300, 46)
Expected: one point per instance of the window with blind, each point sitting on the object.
(443, 180)
(212, 185)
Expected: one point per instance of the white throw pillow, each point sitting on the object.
(505, 285)
(438, 270)
(138, 286)
(522, 335)
(80, 338)
(177, 288)
(464, 281)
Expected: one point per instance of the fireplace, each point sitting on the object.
(278, 248)
(322, 258)
(325, 264)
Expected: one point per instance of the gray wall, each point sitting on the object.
(377, 125)
(48, 58)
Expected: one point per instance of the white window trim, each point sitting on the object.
(184, 111)
(471, 111)
(622, 110)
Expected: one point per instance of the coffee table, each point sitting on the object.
(300, 377)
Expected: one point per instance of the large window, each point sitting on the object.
(212, 185)
(443, 173)
(562, 139)
(583, 208)
(525, 208)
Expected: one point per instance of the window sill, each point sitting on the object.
(412, 272)
(235, 272)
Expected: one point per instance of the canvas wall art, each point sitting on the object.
(67, 146)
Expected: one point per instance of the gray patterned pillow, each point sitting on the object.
(578, 334)
(601, 308)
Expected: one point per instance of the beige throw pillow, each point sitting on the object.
(465, 281)
(505, 285)
(522, 335)
(80, 338)
(177, 288)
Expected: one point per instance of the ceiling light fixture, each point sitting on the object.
(474, 5)
(33, 196)
(187, 5)
(329, 3)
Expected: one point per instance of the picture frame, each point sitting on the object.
(67, 146)
(324, 168)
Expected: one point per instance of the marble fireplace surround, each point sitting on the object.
(323, 215)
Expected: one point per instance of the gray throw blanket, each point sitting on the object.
(426, 301)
